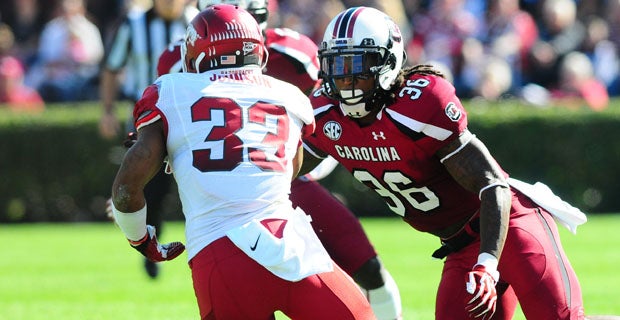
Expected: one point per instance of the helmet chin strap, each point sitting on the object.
(353, 107)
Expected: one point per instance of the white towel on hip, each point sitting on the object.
(562, 211)
(291, 254)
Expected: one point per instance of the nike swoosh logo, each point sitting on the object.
(255, 243)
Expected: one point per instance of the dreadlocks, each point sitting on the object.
(423, 69)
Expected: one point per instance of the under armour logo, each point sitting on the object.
(376, 136)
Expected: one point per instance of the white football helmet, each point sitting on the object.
(222, 36)
(257, 8)
(360, 42)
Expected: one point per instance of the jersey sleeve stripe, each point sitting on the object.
(314, 151)
(320, 110)
(145, 121)
(417, 126)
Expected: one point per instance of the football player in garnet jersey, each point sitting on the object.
(403, 132)
(232, 136)
(292, 58)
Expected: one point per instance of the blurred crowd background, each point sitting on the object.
(542, 52)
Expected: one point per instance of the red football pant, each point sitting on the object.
(336, 226)
(230, 285)
(533, 265)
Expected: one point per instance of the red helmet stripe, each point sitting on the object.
(345, 23)
(337, 25)
(352, 22)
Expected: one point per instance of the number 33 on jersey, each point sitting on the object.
(220, 129)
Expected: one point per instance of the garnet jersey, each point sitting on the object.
(217, 125)
(292, 58)
(395, 156)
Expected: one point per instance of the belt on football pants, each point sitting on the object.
(467, 235)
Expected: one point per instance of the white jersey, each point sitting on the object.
(231, 135)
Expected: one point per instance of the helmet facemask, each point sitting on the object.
(358, 65)
(359, 46)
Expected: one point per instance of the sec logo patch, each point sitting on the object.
(332, 130)
(453, 112)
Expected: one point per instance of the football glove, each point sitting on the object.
(149, 247)
(482, 296)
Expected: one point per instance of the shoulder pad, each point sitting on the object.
(428, 104)
(319, 99)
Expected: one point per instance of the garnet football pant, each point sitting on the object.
(230, 285)
(533, 269)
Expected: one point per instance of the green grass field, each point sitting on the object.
(88, 271)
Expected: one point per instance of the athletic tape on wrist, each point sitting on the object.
(133, 224)
(490, 263)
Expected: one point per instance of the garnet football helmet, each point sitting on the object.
(257, 8)
(360, 42)
(222, 36)
(170, 59)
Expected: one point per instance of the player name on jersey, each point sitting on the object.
(241, 75)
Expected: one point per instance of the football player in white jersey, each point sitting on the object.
(292, 58)
(232, 137)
